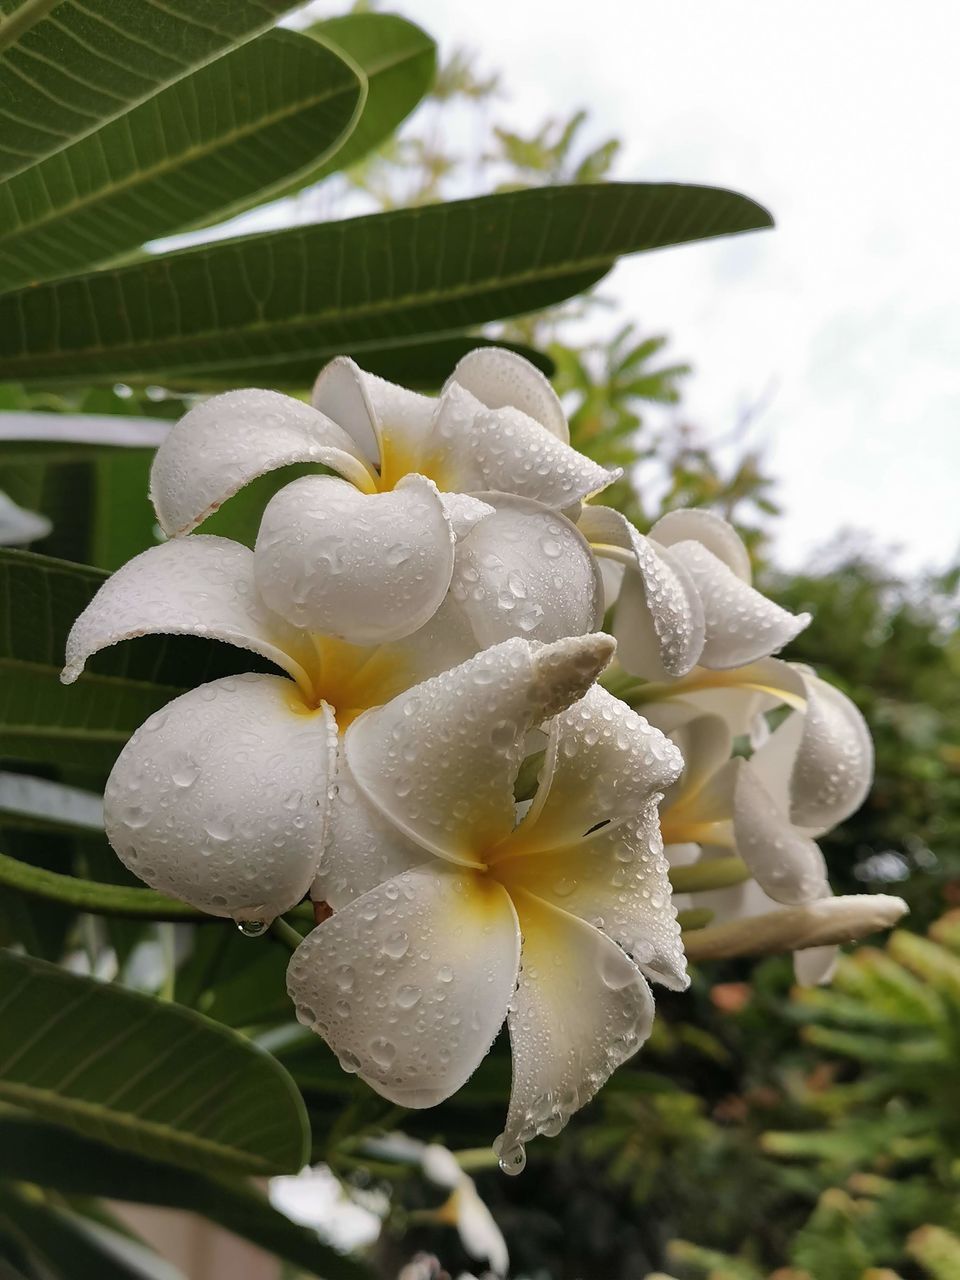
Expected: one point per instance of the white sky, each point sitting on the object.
(842, 119)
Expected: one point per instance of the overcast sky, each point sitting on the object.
(845, 320)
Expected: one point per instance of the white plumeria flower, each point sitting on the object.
(821, 753)
(684, 595)
(811, 773)
(465, 1210)
(439, 892)
(369, 554)
(812, 931)
(221, 798)
(19, 527)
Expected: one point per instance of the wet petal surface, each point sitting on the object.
(366, 568)
(229, 440)
(201, 586)
(581, 1009)
(526, 571)
(440, 760)
(409, 984)
(603, 764)
(617, 881)
(221, 797)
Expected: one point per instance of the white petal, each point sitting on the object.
(443, 642)
(479, 1233)
(220, 798)
(440, 760)
(603, 764)
(440, 1166)
(366, 568)
(500, 378)
(581, 1009)
(833, 771)
(785, 863)
(363, 849)
(712, 531)
(229, 440)
(741, 624)
(202, 586)
(526, 570)
(704, 741)
(372, 411)
(340, 393)
(736, 902)
(816, 966)
(503, 450)
(19, 526)
(612, 574)
(739, 695)
(616, 880)
(464, 512)
(659, 618)
(409, 984)
(815, 924)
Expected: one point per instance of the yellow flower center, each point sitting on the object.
(398, 458)
(351, 679)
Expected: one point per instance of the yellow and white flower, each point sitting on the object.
(805, 777)
(221, 798)
(683, 595)
(369, 553)
(451, 916)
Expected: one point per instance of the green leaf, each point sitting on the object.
(348, 287)
(233, 130)
(421, 366)
(48, 1156)
(74, 1248)
(67, 68)
(89, 722)
(399, 61)
(149, 1077)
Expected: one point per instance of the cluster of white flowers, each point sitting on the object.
(437, 605)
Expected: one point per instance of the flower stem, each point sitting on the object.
(695, 918)
(712, 873)
(286, 933)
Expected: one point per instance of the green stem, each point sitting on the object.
(713, 873)
(473, 1158)
(286, 933)
(90, 895)
(166, 992)
(695, 918)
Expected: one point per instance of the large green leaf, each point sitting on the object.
(67, 1246)
(144, 1075)
(89, 722)
(420, 365)
(316, 291)
(66, 68)
(399, 61)
(233, 130)
(48, 1156)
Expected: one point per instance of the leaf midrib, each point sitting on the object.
(54, 1103)
(355, 312)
